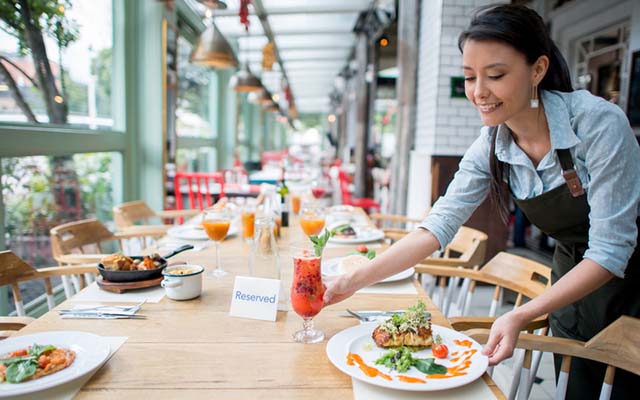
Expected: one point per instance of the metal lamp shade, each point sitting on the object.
(213, 50)
(245, 81)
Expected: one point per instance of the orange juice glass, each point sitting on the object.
(295, 203)
(248, 223)
(307, 291)
(216, 223)
(312, 221)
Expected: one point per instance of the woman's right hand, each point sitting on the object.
(338, 288)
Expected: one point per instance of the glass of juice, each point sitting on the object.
(216, 223)
(248, 222)
(295, 203)
(307, 291)
(312, 220)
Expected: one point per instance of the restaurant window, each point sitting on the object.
(601, 63)
(201, 159)
(193, 117)
(40, 192)
(78, 41)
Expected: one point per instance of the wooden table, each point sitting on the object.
(194, 349)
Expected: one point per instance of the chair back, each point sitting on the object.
(15, 270)
(78, 236)
(526, 277)
(132, 212)
(199, 186)
(617, 346)
(345, 191)
(471, 244)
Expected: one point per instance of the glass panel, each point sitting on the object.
(192, 112)
(80, 62)
(202, 159)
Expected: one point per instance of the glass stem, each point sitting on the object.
(217, 255)
(307, 324)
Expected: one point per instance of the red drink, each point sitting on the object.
(318, 192)
(307, 289)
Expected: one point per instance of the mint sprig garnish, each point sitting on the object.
(319, 241)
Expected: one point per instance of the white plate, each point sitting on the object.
(363, 235)
(91, 352)
(331, 267)
(357, 340)
(195, 232)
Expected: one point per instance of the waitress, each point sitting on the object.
(569, 160)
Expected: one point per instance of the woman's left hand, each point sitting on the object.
(503, 337)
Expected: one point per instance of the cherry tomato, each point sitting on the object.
(440, 351)
(361, 248)
(43, 361)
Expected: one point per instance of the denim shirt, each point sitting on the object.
(606, 157)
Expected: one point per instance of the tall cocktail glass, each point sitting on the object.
(307, 291)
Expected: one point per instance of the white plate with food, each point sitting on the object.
(340, 265)
(355, 352)
(354, 234)
(195, 232)
(65, 356)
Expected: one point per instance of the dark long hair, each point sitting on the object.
(524, 30)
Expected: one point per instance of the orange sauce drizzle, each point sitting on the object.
(463, 343)
(455, 353)
(455, 359)
(368, 371)
(410, 379)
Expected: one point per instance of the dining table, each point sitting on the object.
(195, 350)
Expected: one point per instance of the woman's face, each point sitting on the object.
(498, 80)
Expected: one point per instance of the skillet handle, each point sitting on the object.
(180, 249)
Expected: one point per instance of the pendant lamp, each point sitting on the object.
(212, 49)
(245, 81)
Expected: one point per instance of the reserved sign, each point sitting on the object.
(255, 298)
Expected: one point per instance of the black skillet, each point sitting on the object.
(142, 275)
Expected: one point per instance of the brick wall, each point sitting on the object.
(444, 125)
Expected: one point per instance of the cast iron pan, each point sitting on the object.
(134, 276)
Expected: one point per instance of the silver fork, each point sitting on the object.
(124, 309)
(372, 315)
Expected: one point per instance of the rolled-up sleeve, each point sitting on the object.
(465, 193)
(613, 164)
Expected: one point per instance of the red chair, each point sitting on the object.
(199, 188)
(345, 191)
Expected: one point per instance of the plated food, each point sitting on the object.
(34, 362)
(120, 262)
(412, 328)
(344, 231)
(407, 352)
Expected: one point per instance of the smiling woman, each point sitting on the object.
(570, 162)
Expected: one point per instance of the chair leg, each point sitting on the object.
(48, 290)
(17, 300)
(518, 359)
(68, 289)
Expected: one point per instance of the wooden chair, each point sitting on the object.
(617, 346)
(527, 278)
(395, 227)
(133, 213)
(14, 270)
(11, 325)
(200, 187)
(81, 242)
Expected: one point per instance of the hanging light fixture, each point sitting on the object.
(212, 49)
(244, 80)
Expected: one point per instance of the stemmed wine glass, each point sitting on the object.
(312, 220)
(319, 187)
(307, 291)
(216, 223)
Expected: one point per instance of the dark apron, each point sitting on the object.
(563, 214)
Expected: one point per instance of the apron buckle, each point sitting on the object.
(573, 182)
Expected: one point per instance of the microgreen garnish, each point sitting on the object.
(319, 241)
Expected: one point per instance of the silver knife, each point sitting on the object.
(100, 315)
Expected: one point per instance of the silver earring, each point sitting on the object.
(534, 97)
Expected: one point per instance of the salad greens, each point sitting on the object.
(412, 319)
(22, 367)
(370, 254)
(400, 359)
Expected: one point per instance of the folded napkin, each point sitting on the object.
(475, 390)
(97, 311)
(94, 294)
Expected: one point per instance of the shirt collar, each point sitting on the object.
(561, 133)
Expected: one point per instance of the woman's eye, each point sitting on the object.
(496, 77)
(469, 78)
